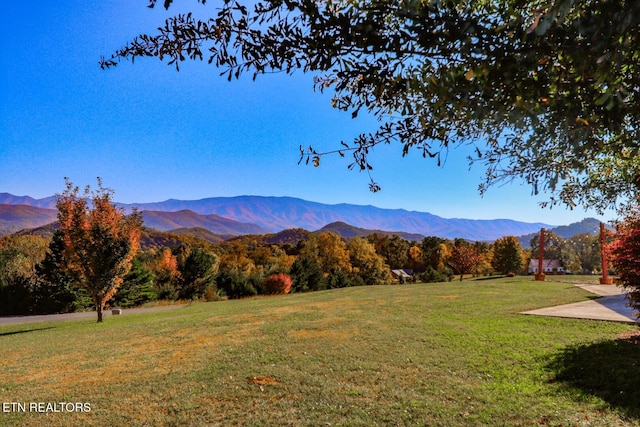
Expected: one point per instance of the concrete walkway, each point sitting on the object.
(611, 306)
(17, 320)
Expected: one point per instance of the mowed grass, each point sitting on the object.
(426, 354)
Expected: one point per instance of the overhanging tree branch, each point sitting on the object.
(549, 95)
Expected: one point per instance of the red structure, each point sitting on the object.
(540, 273)
(605, 279)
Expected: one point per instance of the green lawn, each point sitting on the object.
(427, 354)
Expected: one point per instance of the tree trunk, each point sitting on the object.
(99, 310)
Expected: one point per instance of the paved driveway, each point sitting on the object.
(16, 320)
(611, 306)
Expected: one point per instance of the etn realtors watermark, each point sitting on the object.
(46, 407)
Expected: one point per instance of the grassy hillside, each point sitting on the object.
(454, 354)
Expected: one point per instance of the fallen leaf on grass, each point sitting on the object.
(263, 380)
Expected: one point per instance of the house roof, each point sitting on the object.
(401, 273)
(546, 263)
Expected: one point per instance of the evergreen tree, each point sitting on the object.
(137, 287)
(198, 273)
(306, 275)
(55, 289)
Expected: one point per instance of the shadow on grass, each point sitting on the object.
(25, 331)
(609, 370)
(480, 279)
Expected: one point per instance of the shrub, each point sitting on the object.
(212, 294)
(338, 279)
(235, 285)
(431, 275)
(277, 284)
(306, 276)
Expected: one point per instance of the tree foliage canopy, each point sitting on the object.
(464, 258)
(546, 91)
(507, 255)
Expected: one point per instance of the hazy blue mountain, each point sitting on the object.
(186, 219)
(587, 225)
(10, 199)
(275, 214)
(279, 213)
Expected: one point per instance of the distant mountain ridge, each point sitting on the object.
(274, 214)
(588, 226)
(280, 213)
(167, 221)
(10, 199)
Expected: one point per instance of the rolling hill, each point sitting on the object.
(17, 217)
(201, 233)
(347, 231)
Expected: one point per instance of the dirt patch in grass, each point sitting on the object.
(632, 337)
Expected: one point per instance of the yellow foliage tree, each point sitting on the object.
(328, 251)
(367, 263)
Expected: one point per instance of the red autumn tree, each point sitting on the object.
(625, 255)
(277, 284)
(463, 258)
(100, 241)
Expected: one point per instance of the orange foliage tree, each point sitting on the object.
(100, 241)
(166, 274)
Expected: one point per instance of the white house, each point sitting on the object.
(402, 275)
(549, 266)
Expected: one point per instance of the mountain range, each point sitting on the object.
(259, 215)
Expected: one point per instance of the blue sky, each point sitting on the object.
(153, 133)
